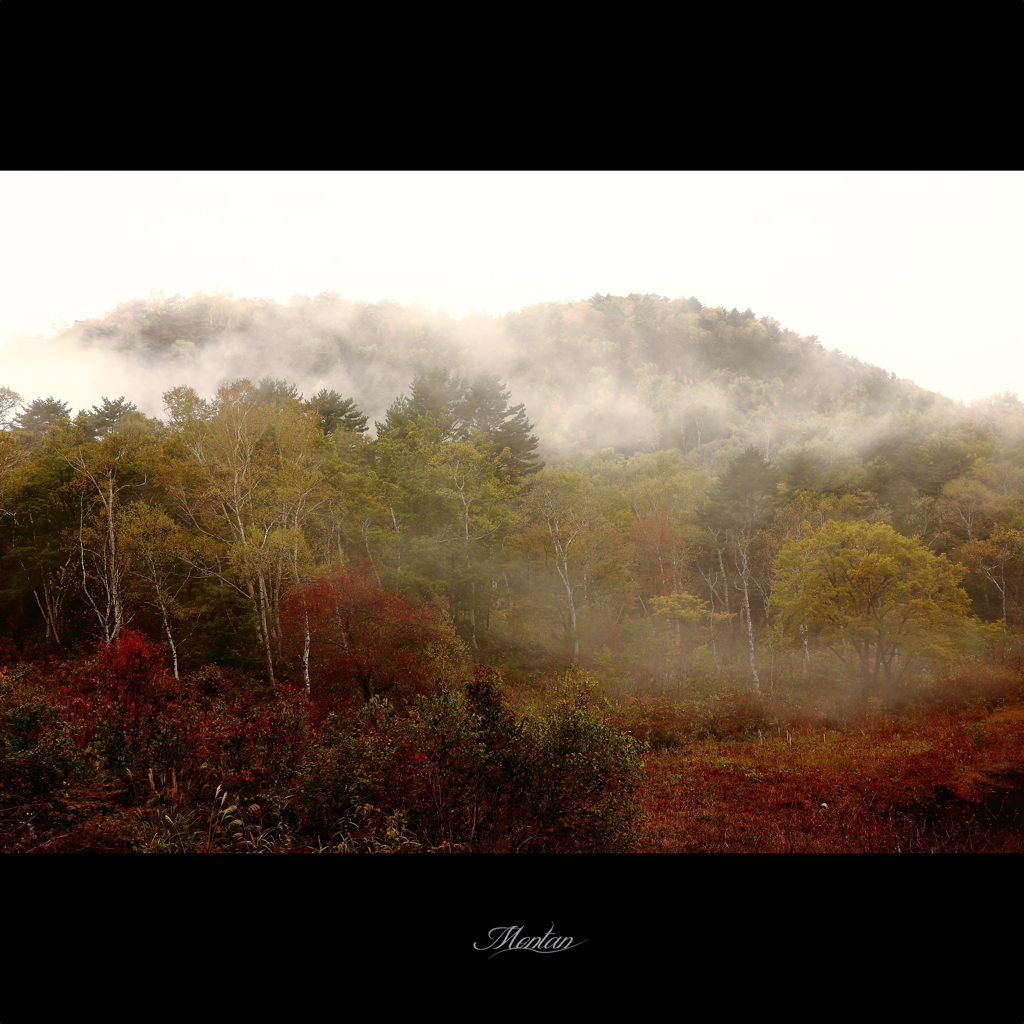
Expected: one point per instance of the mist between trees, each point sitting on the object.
(652, 488)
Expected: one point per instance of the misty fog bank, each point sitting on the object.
(640, 372)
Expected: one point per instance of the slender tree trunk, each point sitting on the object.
(102, 614)
(472, 583)
(714, 643)
(305, 648)
(725, 581)
(266, 632)
(366, 541)
(46, 615)
(398, 534)
(170, 636)
(572, 613)
(1002, 594)
(51, 605)
(745, 573)
(114, 570)
(275, 602)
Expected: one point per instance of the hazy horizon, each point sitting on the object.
(919, 273)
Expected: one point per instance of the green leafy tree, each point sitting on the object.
(106, 473)
(965, 507)
(12, 450)
(484, 408)
(476, 510)
(159, 556)
(878, 600)
(740, 505)
(336, 413)
(246, 476)
(101, 419)
(458, 407)
(273, 391)
(406, 506)
(9, 401)
(996, 558)
(436, 394)
(40, 516)
(566, 506)
(40, 416)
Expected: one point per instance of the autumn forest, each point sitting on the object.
(629, 574)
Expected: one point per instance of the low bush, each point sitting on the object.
(463, 774)
(111, 754)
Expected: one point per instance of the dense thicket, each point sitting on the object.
(114, 755)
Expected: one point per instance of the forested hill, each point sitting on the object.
(222, 594)
(630, 373)
(682, 447)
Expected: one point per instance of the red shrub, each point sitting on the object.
(362, 640)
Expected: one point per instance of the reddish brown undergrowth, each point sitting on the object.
(936, 766)
(108, 753)
(111, 754)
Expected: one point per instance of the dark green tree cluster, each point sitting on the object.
(465, 410)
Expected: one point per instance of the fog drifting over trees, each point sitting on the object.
(633, 372)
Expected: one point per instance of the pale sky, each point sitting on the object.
(920, 273)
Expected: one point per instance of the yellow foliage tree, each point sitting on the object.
(878, 600)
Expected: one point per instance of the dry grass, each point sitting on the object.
(934, 767)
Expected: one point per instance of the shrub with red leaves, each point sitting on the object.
(361, 640)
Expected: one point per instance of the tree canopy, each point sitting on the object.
(38, 416)
(463, 408)
(876, 599)
(685, 446)
(337, 413)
